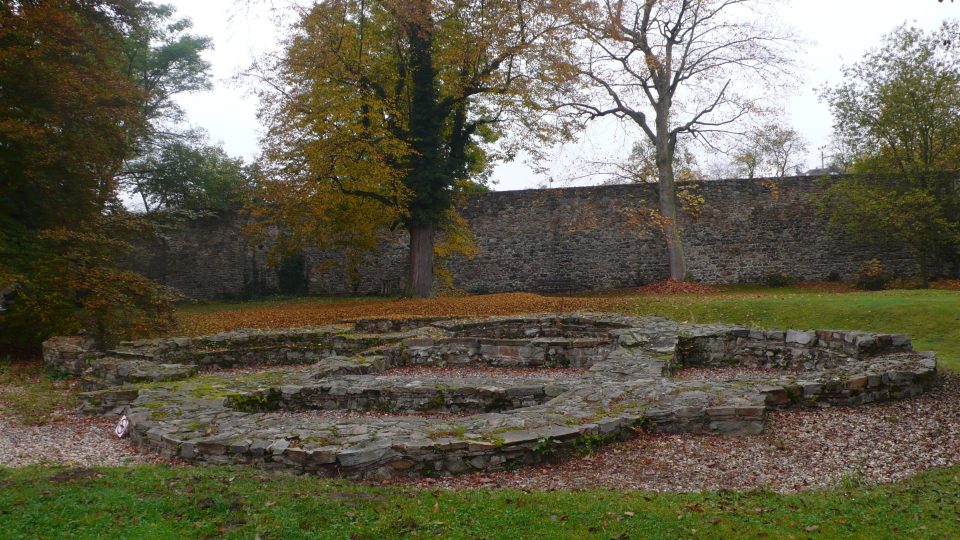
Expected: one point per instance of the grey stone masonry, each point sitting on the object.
(339, 400)
(585, 238)
(790, 350)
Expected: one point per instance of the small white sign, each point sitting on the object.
(123, 427)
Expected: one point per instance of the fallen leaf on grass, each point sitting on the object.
(321, 313)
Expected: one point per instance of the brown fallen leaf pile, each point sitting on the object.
(800, 449)
(827, 286)
(677, 287)
(319, 313)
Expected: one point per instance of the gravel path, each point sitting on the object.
(74, 440)
(800, 450)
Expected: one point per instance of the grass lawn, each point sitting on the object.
(190, 502)
(32, 395)
(180, 502)
(931, 317)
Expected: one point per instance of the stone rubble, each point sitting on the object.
(624, 386)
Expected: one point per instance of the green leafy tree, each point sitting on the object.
(164, 60)
(380, 109)
(198, 177)
(898, 114)
(68, 117)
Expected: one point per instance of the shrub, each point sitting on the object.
(73, 285)
(872, 276)
(777, 280)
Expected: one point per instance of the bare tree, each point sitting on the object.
(784, 148)
(770, 149)
(672, 67)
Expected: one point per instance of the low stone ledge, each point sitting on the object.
(69, 355)
(340, 416)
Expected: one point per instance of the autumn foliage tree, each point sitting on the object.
(68, 114)
(380, 111)
(67, 111)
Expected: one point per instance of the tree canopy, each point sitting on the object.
(379, 111)
(896, 110)
(190, 174)
(72, 112)
(67, 113)
(171, 165)
(164, 60)
(769, 149)
(676, 69)
(640, 167)
(898, 113)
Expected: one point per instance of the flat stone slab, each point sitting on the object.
(339, 411)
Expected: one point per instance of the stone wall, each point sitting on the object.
(208, 258)
(569, 239)
(430, 422)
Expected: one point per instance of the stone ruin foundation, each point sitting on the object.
(375, 399)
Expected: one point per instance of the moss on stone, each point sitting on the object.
(268, 400)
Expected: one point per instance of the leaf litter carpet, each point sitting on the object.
(800, 450)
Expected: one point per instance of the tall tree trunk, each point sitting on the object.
(425, 176)
(671, 227)
(421, 260)
(666, 146)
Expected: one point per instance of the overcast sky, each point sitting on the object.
(839, 32)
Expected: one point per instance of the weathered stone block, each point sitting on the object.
(806, 339)
(751, 411)
(858, 383)
(721, 411)
(520, 437)
(775, 396)
(362, 456)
